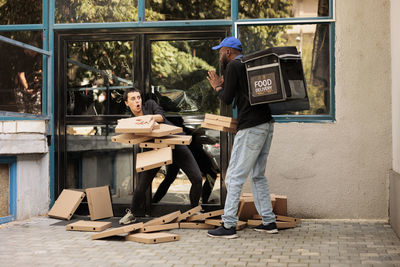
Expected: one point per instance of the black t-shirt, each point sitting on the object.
(236, 87)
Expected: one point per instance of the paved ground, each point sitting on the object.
(42, 241)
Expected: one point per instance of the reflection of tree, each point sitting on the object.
(20, 12)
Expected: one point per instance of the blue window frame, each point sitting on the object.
(12, 161)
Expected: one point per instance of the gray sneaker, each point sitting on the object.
(128, 218)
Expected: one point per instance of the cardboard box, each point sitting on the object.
(195, 225)
(153, 159)
(280, 207)
(66, 204)
(99, 202)
(188, 213)
(174, 140)
(203, 216)
(164, 219)
(155, 145)
(158, 228)
(140, 124)
(218, 128)
(118, 231)
(130, 138)
(164, 130)
(152, 238)
(88, 226)
(209, 116)
(246, 209)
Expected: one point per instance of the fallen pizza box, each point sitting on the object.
(174, 140)
(188, 213)
(153, 159)
(66, 204)
(203, 216)
(99, 202)
(130, 138)
(88, 226)
(280, 207)
(152, 238)
(246, 209)
(118, 231)
(195, 225)
(218, 128)
(164, 219)
(158, 228)
(155, 145)
(135, 125)
(288, 219)
(164, 130)
(210, 116)
(239, 226)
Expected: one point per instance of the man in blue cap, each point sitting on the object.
(251, 145)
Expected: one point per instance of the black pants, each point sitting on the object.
(183, 159)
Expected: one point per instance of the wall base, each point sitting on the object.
(394, 201)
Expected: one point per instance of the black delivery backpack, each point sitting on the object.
(275, 76)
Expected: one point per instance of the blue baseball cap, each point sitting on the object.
(231, 42)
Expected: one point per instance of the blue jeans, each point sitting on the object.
(249, 156)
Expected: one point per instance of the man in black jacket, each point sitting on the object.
(251, 145)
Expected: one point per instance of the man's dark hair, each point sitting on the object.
(130, 90)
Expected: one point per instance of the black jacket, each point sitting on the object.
(235, 87)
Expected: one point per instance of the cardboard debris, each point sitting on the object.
(142, 124)
(157, 228)
(88, 226)
(188, 213)
(99, 202)
(66, 204)
(153, 159)
(203, 216)
(118, 231)
(152, 238)
(130, 138)
(164, 219)
(174, 140)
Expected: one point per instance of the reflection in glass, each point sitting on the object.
(178, 76)
(81, 11)
(313, 43)
(187, 10)
(20, 12)
(93, 160)
(98, 73)
(21, 74)
(263, 9)
(178, 82)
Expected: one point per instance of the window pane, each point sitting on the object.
(20, 12)
(5, 190)
(98, 73)
(157, 10)
(312, 41)
(80, 11)
(21, 74)
(94, 160)
(262, 9)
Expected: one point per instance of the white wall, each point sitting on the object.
(341, 169)
(395, 38)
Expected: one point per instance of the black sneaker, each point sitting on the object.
(223, 232)
(269, 228)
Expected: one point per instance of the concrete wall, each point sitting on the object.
(341, 169)
(394, 203)
(28, 142)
